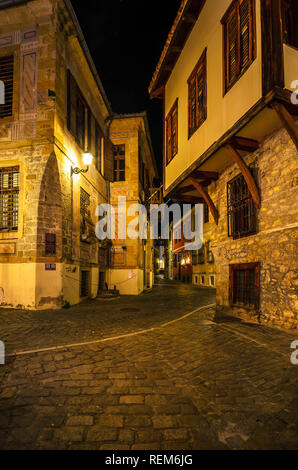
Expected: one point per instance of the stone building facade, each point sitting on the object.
(132, 261)
(228, 80)
(55, 112)
(203, 261)
(274, 245)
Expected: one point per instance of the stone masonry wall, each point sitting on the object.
(275, 243)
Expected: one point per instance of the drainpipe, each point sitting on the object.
(109, 121)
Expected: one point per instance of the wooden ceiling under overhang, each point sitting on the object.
(178, 36)
(192, 185)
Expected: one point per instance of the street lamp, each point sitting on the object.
(87, 159)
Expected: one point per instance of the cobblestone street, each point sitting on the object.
(160, 371)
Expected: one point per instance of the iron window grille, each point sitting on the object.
(242, 216)
(9, 198)
(206, 214)
(210, 257)
(197, 95)
(195, 257)
(6, 76)
(50, 242)
(119, 163)
(85, 284)
(175, 261)
(84, 209)
(245, 285)
(201, 255)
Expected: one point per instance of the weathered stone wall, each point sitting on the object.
(42, 39)
(275, 243)
(128, 276)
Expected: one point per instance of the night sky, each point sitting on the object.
(126, 38)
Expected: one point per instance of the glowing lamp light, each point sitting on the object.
(87, 158)
(183, 262)
(188, 260)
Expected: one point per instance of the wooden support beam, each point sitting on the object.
(158, 93)
(189, 18)
(189, 199)
(205, 175)
(242, 143)
(287, 120)
(176, 49)
(251, 184)
(206, 198)
(189, 188)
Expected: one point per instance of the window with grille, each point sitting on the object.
(6, 76)
(172, 133)
(84, 209)
(9, 198)
(210, 257)
(206, 214)
(290, 22)
(242, 218)
(197, 95)
(119, 163)
(239, 40)
(85, 283)
(50, 243)
(245, 285)
(201, 255)
(195, 257)
(175, 261)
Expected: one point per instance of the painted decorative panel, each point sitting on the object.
(28, 90)
(5, 133)
(7, 248)
(28, 130)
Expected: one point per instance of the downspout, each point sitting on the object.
(109, 121)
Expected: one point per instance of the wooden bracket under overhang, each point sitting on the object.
(198, 186)
(287, 120)
(251, 184)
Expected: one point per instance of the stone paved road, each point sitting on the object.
(202, 382)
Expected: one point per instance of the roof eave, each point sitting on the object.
(184, 23)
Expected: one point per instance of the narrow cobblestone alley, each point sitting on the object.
(179, 377)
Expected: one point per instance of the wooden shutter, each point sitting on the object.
(175, 132)
(71, 104)
(192, 106)
(232, 48)
(108, 160)
(6, 76)
(201, 96)
(169, 139)
(245, 15)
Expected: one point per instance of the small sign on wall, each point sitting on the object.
(50, 267)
